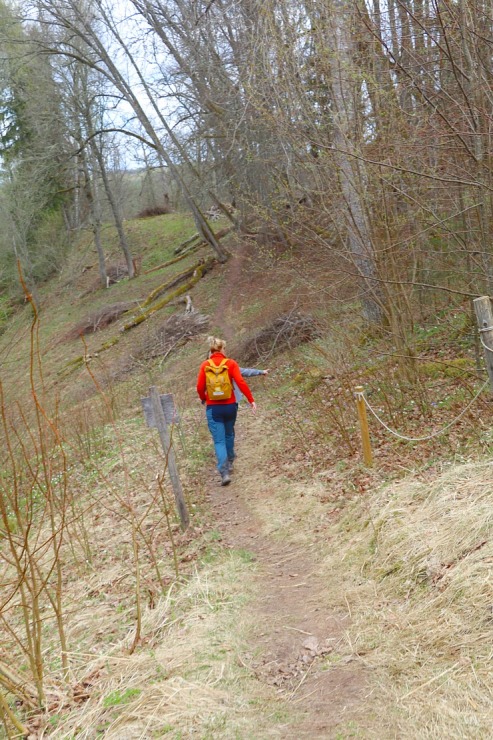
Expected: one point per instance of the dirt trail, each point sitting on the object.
(296, 632)
(233, 271)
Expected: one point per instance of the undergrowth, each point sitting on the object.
(415, 568)
(151, 611)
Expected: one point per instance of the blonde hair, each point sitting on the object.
(216, 344)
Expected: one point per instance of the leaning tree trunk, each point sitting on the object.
(122, 238)
(92, 197)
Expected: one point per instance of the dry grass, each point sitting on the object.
(186, 675)
(410, 566)
(418, 588)
(186, 678)
(409, 563)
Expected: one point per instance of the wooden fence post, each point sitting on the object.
(484, 315)
(363, 423)
(162, 428)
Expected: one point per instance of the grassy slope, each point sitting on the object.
(416, 584)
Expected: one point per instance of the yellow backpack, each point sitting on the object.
(217, 381)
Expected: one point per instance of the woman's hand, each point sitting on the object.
(253, 406)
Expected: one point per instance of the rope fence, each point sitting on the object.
(484, 315)
(361, 396)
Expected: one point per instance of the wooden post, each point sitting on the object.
(484, 315)
(162, 428)
(363, 422)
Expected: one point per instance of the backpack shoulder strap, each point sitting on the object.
(220, 366)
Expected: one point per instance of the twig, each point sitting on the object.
(427, 683)
(295, 629)
(303, 679)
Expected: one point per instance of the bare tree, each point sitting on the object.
(77, 24)
(374, 118)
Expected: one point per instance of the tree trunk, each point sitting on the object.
(114, 208)
(91, 193)
(351, 171)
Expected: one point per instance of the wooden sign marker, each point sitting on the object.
(159, 411)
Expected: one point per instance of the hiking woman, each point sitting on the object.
(215, 388)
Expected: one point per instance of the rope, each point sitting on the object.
(360, 394)
(481, 330)
(485, 345)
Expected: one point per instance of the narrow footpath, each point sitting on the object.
(298, 637)
(295, 631)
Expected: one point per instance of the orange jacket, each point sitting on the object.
(234, 374)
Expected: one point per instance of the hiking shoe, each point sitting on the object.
(225, 479)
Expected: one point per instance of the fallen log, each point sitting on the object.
(220, 234)
(181, 256)
(170, 284)
(81, 360)
(224, 232)
(186, 243)
(199, 273)
(99, 320)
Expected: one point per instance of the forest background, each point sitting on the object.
(334, 156)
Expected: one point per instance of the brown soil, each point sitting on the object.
(232, 277)
(295, 631)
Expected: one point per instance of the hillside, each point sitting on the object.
(311, 598)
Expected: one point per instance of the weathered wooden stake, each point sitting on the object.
(363, 422)
(162, 428)
(484, 315)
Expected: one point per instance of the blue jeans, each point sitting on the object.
(221, 422)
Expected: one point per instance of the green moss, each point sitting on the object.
(72, 365)
(170, 283)
(309, 379)
(454, 368)
(245, 556)
(110, 343)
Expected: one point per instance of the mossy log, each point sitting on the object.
(186, 243)
(81, 360)
(181, 256)
(171, 284)
(223, 232)
(199, 273)
(219, 235)
(71, 365)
